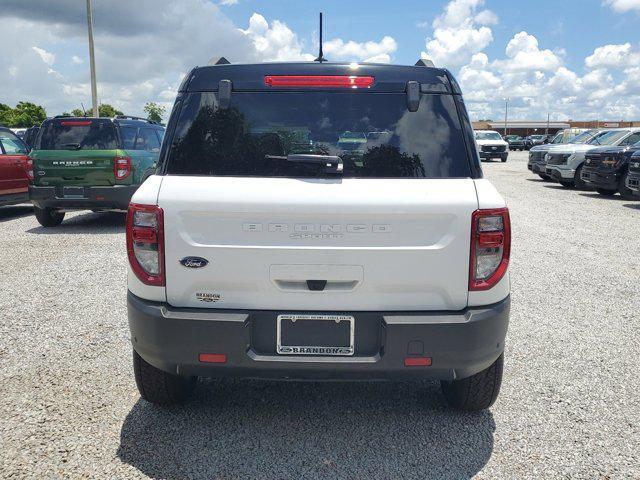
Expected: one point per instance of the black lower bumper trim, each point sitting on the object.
(109, 197)
(14, 198)
(460, 344)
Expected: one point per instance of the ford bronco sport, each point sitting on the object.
(267, 245)
(91, 164)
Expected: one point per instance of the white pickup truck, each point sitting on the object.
(265, 246)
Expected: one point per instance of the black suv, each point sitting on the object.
(633, 175)
(606, 169)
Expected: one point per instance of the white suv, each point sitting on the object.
(267, 245)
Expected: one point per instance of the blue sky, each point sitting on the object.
(579, 26)
(570, 59)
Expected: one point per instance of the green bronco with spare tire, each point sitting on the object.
(91, 164)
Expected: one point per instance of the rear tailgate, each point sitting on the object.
(74, 168)
(76, 152)
(380, 244)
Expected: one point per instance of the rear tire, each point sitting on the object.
(567, 184)
(606, 193)
(544, 177)
(503, 160)
(159, 387)
(477, 392)
(48, 217)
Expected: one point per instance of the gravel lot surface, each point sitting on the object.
(569, 407)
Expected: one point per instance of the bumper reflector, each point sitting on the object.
(212, 358)
(417, 362)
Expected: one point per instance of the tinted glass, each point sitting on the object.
(12, 144)
(78, 135)
(488, 136)
(147, 140)
(631, 139)
(374, 135)
(128, 137)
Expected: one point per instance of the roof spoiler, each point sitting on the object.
(424, 62)
(131, 117)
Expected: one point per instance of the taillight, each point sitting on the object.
(328, 81)
(121, 167)
(29, 168)
(145, 243)
(490, 247)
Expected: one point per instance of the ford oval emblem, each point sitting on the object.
(194, 262)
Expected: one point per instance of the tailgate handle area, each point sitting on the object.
(316, 278)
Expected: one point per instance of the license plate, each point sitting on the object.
(322, 335)
(73, 192)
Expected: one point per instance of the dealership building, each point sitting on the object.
(526, 127)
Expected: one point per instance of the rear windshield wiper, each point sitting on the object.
(72, 146)
(332, 163)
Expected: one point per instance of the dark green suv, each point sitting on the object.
(91, 164)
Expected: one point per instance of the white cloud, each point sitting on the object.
(229, 2)
(47, 57)
(275, 42)
(378, 52)
(616, 55)
(459, 32)
(623, 6)
(525, 55)
(76, 60)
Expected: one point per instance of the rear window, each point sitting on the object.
(86, 134)
(374, 135)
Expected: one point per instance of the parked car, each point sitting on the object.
(490, 145)
(566, 135)
(515, 142)
(633, 178)
(15, 169)
(30, 136)
(249, 259)
(19, 132)
(565, 162)
(533, 140)
(91, 164)
(537, 155)
(606, 168)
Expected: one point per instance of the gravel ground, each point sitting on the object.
(569, 406)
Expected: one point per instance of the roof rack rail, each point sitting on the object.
(219, 61)
(131, 117)
(424, 62)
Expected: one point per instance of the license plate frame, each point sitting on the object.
(315, 350)
(73, 192)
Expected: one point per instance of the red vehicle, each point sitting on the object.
(16, 169)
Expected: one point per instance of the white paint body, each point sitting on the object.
(381, 244)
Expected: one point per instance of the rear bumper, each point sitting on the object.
(460, 344)
(114, 197)
(490, 155)
(14, 198)
(608, 181)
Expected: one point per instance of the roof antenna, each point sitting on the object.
(320, 55)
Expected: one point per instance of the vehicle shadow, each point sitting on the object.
(633, 206)
(15, 211)
(99, 223)
(603, 197)
(263, 429)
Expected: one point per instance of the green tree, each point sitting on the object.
(25, 114)
(104, 110)
(154, 111)
(5, 114)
